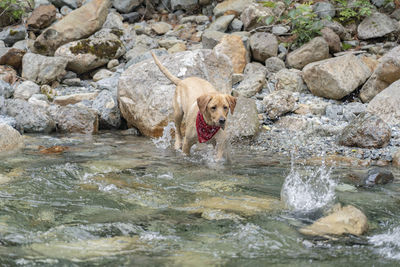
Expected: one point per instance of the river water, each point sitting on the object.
(118, 200)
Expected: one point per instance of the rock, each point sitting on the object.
(78, 24)
(263, 45)
(244, 205)
(386, 104)
(343, 220)
(75, 119)
(12, 57)
(332, 39)
(254, 80)
(211, 38)
(145, 56)
(29, 118)
(102, 74)
(6, 90)
(200, 19)
(278, 103)
(352, 110)
(338, 28)
(42, 17)
(71, 99)
(315, 50)
(10, 139)
(366, 131)
(236, 25)
(221, 23)
(106, 105)
(145, 95)
(274, 64)
(280, 30)
(252, 14)
(387, 72)
(126, 6)
(42, 69)
(113, 21)
(167, 43)
(179, 47)
(187, 5)
(112, 64)
(8, 74)
(396, 158)
(39, 100)
(233, 47)
(12, 34)
(65, 10)
(291, 80)
(324, 10)
(376, 25)
(26, 89)
(231, 5)
(244, 122)
(336, 77)
(71, 3)
(377, 176)
(88, 54)
(161, 27)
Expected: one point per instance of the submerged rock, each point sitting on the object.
(374, 176)
(343, 220)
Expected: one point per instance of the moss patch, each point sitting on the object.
(104, 49)
(117, 32)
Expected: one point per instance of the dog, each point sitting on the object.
(202, 109)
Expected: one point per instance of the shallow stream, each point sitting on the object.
(118, 200)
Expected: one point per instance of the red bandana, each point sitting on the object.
(204, 131)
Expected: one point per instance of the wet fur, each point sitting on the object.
(191, 95)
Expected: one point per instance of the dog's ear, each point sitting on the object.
(202, 102)
(232, 102)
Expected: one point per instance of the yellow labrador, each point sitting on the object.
(203, 111)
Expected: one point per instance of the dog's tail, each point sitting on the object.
(164, 70)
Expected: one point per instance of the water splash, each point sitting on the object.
(387, 244)
(165, 140)
(308, 188)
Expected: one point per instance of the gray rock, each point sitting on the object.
(10, 139)
(377, 176)
(6, 90)
(236, 25)
(274, 64)
(291, 80)
(145, 56)
(145, 94)
(234, 5)
(7, 119)
(263, 45)
(126, 6)
(71, 3)
(102, 74)
(386, 104)
(146, 41)
(376, 25)
(211, 38)
(278, 103)
(396, 15)
(254, 80)
(280, 30)
(161, 27)
(109, 84)
(12, 34)
(65, 10)
(221, 24)
(352, 110)
(252, 14)
(324, 10)
(106, 106)
(26, 89)
(113, 21)
(244, 122)
(366, 131)
(29, 118)
(315, 50)
(75, 119)
(131, 17)
(187, 5)
(42, 69)
(334, 112)
(336, 77)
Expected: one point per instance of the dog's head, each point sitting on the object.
(215, 108)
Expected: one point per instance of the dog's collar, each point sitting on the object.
(204, 131)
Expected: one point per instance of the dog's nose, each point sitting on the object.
(221, 121)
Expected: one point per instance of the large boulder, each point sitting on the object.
(10, 138)
(336, 77)
(30, 118)
(343, 220)
(263, 46)
(75, 119)
(88, 54)
(386, 104)
(42, 69)
(366, 131)
(244, 123)
(278, 103)
(231, 5)
(77, 25)
(315, 50)
(376, 25)
(233, 47)
(145, 95)
(387, 72)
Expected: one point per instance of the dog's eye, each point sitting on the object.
(213, 108)
(225, 107)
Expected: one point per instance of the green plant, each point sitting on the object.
(304, 23)
(11, 11)
(349, 11)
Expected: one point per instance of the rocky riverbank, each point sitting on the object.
(76, 66)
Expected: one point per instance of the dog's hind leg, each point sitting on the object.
(178, 116)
